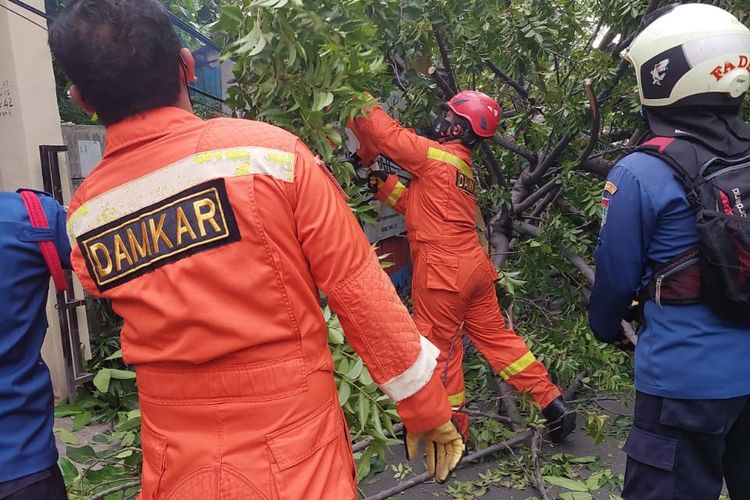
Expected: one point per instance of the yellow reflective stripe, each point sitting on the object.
(440, 155)
(457, 399)
(395, 195)
(518, 366)
(177, 177)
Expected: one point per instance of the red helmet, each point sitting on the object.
(480, 109)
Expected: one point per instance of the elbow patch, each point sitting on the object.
(379, 328)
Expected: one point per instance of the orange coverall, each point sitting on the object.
(453, 284)
(212, 240)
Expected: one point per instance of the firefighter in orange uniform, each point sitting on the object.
(212, 239)
(453, 285)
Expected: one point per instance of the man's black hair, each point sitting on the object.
(123, 55)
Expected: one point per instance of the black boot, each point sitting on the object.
(561, 420)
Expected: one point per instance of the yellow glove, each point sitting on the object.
(444, 448)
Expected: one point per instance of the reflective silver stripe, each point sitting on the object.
(416, 376)
(177, 177)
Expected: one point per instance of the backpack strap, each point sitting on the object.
(39, 219)
(685, 158)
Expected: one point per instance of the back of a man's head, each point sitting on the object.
(123, 55)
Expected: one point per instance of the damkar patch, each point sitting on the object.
(194, 220)
(466, 184)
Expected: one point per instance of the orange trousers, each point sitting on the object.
(455, 292)
(220, 433)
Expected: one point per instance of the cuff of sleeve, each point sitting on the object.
(387, 188)
(427, 409)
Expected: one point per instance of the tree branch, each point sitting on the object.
(440, 81)
(519, 438)
(574, 259)
(596, 120)
(492, 416)
(116, 489)
(506, 142)
(536, 447)
(544, 203)
(598, 166)
(364, 443)
(522, 92)
(535, 196)
(492, 163)
(549, 159)
(446, 59)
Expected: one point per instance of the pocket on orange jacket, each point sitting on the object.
(442, 273)
(308, 457)
(154, 447)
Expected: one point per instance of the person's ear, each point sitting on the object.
(188, 66)
(78, 100)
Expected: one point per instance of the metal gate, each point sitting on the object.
(67, 303)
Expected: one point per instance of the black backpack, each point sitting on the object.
(717, 271)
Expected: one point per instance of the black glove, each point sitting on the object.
(633, 312)
(375, 180)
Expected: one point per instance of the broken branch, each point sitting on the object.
(596, 120)
(536, 447)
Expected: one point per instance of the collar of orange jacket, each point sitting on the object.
(145, 127)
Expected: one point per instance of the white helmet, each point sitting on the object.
(692, 49)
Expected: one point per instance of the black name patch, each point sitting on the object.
(194, 220)
(466, 183)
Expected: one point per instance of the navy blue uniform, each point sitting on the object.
(27, 445)
(691, 368)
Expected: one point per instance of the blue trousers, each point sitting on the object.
(685, 449)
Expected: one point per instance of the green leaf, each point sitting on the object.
(232, 12)
(115, 355)
(81, 420)
(564, 482)
(335, 336)
(268, 3)
(101, 380)
(129, 425)
(122, 374)
(344, 392)
(69, 471)
(128, 439)
(321, 100)
(355, 370)
(80, 455)
(65, 435)
(596, 480)
(66, 410)
(589, 459)
(124, 454)
(363, 409)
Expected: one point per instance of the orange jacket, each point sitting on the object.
(440, 203)
(212, 240)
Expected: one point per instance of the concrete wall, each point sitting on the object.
(85, 147)
(29, 118)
